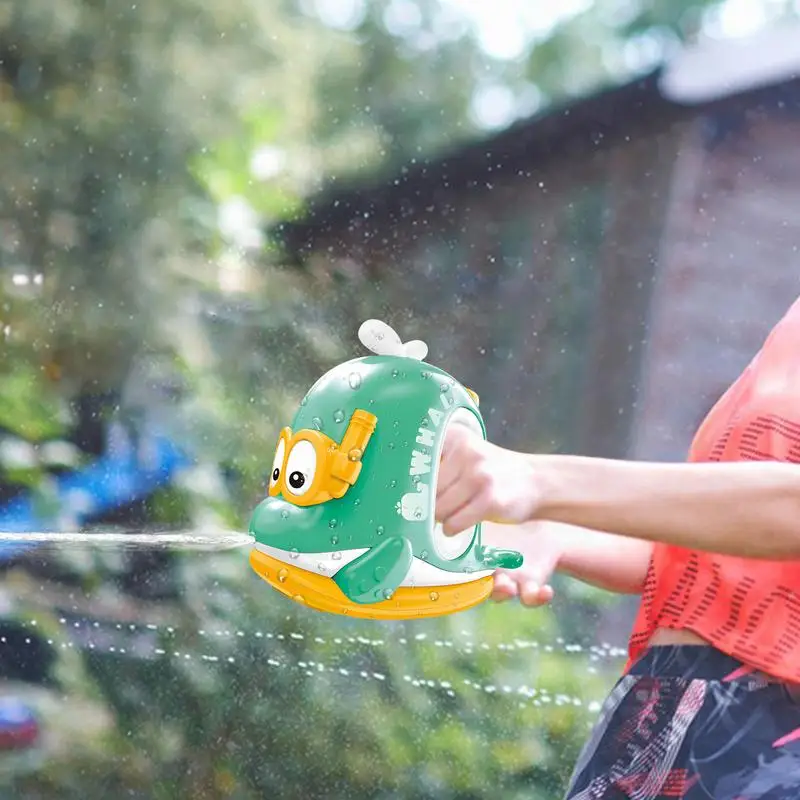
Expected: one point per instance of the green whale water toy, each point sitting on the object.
(348, 526)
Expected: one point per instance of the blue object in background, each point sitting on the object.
(19, 728)
(126, 473)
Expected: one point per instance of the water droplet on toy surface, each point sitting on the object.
(395, 373)
(417, 513)
(316, 423)
(425, 374)
(334, 540)
(283, 574)
(355, 454)
(434, 596)
(380, 530)
(424, 555)
(284, 514)
(354, 380)
(338, 415)
(357, 502)
(444, 388)
(333, 523)
(387, 594)
(304, 401)
(337, 556)
(391, 445)
(415, 479)
(392, 484)
(298, 598)
(294, 554)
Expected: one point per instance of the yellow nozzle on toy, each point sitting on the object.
(346, 465)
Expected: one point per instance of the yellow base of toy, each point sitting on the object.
(408, 602)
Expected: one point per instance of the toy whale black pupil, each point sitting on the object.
(296, 480)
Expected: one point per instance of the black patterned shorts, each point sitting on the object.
(690, 722)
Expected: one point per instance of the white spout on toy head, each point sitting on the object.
(382, 340)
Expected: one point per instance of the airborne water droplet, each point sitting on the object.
(338, 415)
(354, 380)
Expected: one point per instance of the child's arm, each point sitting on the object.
(744, 508)
(749, 509)
(610, 562)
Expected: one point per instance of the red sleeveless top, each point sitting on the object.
(747, 608)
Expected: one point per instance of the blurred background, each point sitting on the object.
(587, 209)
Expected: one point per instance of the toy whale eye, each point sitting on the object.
(277, 462)
(301, 466)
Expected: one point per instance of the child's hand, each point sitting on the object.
(541, 550)
(527, 587)
(480, 481)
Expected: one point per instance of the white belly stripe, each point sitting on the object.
(328, 564)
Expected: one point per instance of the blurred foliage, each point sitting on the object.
(144, 148)
(299, 705)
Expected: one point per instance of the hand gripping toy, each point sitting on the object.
(349, 525)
